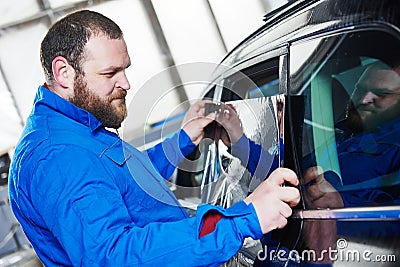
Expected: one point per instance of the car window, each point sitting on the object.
(259, 80)
(350, 129)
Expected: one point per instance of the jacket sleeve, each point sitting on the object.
(84, 210)
(258, 161)
(167, 155)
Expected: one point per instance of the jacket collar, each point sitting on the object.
(47, 99)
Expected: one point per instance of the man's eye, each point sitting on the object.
(109, 74)
(380, 93)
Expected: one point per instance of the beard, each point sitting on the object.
(354, 122)
(365, 118)
(109, 115)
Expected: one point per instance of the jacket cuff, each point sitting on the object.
(243, 215)
(186, 145)
(241, 149)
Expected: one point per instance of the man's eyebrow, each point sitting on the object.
(384, 91)
(114, 68)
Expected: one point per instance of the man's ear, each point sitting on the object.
(63, 72)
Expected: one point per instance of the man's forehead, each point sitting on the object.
(381, 76)
(107, 52)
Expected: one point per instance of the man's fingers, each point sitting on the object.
(282, 222)
(204, 121)
(282, 175)
(289, 195)
(212, 116)
(198, 108)
(314, 192)
(285, 210)
(201, 121)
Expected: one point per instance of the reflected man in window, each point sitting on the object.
(368, 143)
(368, 148)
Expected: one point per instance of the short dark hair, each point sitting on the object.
(68, 38)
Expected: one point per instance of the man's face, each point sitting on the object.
(376, 99)
(101, 89)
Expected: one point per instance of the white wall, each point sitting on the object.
(196, 31)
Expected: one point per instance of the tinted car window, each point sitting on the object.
(351, 114)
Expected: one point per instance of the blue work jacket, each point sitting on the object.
(369, 166)
(84, 197)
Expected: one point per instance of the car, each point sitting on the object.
(291, 82)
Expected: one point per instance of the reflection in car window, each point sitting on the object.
(351, 115)
(270, 88)
(232, 171)
(230, 168)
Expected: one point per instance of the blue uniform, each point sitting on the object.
(85, 197)
(369, 166)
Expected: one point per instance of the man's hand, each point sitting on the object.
(273, 202)
(319, 193)
(231, 126)
(195, 120)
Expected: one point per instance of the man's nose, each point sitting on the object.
(367, 98)
(123, 82)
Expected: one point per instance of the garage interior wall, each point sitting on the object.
(160, 34)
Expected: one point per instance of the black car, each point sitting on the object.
(307, 65)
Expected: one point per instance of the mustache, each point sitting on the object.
(351, 107)
(120, 94)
